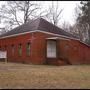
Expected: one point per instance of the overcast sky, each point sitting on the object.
(68, 12)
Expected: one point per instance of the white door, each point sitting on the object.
(51, 49)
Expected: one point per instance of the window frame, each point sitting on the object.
(13, 49)
(20, 49)
(28, 49)
(0, 47)
(47, 56)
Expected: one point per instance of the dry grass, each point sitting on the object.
(20, 76)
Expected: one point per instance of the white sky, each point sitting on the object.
(68, 12)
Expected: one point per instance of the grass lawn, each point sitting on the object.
(23, 76)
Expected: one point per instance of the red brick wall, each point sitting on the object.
(69, 51)
(16, 40)
(74, 51)
(38, 48)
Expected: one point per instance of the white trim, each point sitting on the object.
(64, 39)
(56, 34)
(17, 34)
(38, 31)
(54, 38)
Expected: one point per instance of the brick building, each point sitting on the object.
(40, 42)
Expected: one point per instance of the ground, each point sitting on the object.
(24, 76)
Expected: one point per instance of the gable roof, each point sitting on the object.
(38, 24)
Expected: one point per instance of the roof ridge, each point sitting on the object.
(38, 24)
(54, 25)
(57, 27)
(29, 22)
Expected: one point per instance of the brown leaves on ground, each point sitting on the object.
(21, 76)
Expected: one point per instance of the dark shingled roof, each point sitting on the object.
(38, 24)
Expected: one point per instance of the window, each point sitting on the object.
(5, 47)
(13, 49)
(28, 49)
(20, 49)
(51, 49)
(0, 47)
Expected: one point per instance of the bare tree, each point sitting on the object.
(15, 13)
(2, 31)
(77, 11)
(54, 13)
(81, 29)
(66, 26)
